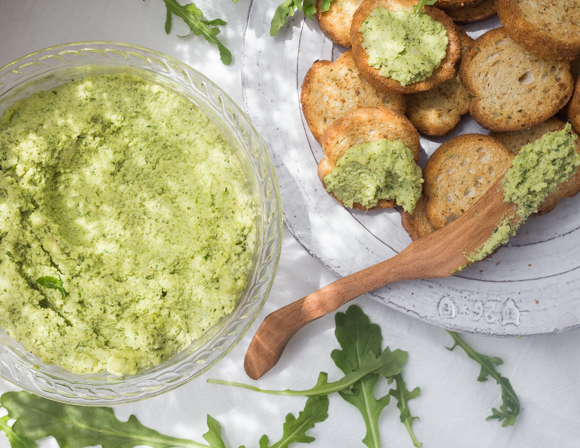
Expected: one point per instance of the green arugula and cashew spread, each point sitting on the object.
(369, 172)
(407, 47)
(361, 358)
(127, 225)
(536, 171)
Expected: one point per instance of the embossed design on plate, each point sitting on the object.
(447, 309)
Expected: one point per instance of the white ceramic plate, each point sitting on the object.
(530, 286)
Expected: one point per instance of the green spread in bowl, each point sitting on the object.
(127, 227)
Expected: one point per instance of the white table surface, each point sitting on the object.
(452, 406)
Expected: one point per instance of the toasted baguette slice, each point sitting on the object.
(465, 42)
(513, 88)
(330, 91)
(362, 126)
(437, 111)
(575, 71)
(470, 13)
(442, 4)
(446, 69)
(514, 141)
(459, 172)
(335, 23)
(417, 224)
(549, 29)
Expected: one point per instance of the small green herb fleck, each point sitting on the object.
(52, 283)
(13, 167)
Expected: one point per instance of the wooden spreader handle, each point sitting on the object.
(437, 255)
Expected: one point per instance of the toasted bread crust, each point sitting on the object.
(442, 4)
(547, 28)
(446, 69)
(417, 224)
(574, 109)
(459, 172)
(471, 13)
(330, 91)
(365, 125)
(465, 41)
(436, 112)
(335, 23)
(514, 141)
(512, 88)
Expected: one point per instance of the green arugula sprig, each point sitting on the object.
(359, 339)
(15, 440)
(79, 427)
(363, 363)
(419, 6)
(315, 411)
(193, 17)
(289, 7)
(387, 364)
(510, 407)
(52, 283)
(403, 396)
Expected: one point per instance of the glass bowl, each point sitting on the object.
(53, 66)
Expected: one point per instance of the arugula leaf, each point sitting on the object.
(289, 7)
(388, 364)
(315, 411)
(419, 6)
(309, 7)
(214, 434)
(325, 6)
(168, 21)
(283, 11)
(403, 396)
(193, 17)
(510, 408)
(15, 440)
(362, 397)
(52, 283)
(79, 427)
(361, 341)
